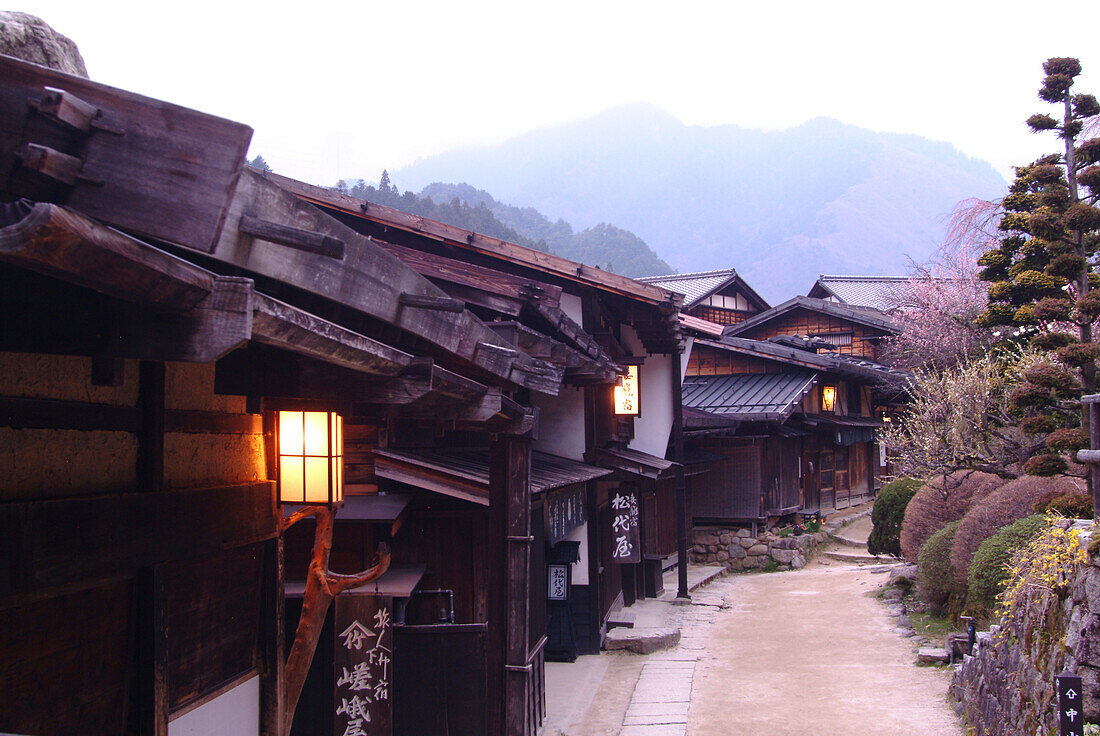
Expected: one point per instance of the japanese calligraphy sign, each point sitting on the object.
(558, 582)
(626, 546)
(363, 664)
(1070, 719)
(626, 395)
(566, 510)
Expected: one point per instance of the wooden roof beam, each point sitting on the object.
(368, 280)
(67, 245)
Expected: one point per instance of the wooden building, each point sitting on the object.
(163, 304)
(596, 326)
(792, 421)
(857, 331)
(721, 296)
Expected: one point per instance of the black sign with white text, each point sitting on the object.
(1071, 721)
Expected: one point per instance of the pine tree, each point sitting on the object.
(259, 163)
(1043, 274)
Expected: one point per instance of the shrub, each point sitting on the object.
(886, 516)
(1070, 505)
(988, 571)
(1010, 502)
(938, 583)
(935, 505)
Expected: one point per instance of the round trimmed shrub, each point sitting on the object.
(936, 504)
(886, 516)
(988, 571)
(1069, 505)
(1010, 502)
(938, 583)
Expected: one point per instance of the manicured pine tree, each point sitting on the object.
(1043, 275)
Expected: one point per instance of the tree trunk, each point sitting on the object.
(322, 586)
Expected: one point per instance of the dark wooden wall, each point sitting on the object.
(807, 322)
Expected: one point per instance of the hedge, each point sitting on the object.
(1010, 502)
(988, 571)
(936, 504)
(886, 516)
(938, 585)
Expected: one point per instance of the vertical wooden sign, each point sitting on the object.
(626, 546)
(363, 666)
(1071, 721)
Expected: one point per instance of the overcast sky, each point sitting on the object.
(341, 89)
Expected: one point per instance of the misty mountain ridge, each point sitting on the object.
(604, 246)
(779, 206)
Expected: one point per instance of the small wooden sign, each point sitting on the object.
(1071, 720)
(626, 546)
(558, 576)
(363, 666)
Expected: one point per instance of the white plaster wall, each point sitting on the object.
(580, 567)
(561, 423)
(653, 427)
(689, 343)
(572, 305)
(235, 713)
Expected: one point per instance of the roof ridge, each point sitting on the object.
(694, 274)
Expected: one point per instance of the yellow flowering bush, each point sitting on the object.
(1039, 575)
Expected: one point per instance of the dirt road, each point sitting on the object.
(811, 652)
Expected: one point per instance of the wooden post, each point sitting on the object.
(510, 505)
(1094, 443)
(682, 522)
(272, 689)
(151, 711)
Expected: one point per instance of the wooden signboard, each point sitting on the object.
(626, 546)
(558, 582)
(363, 666)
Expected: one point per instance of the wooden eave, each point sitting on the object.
(476, 242)
(631, 462)
(464, 473)
(366, 279)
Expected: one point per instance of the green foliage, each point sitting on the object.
(259, 163)
(988, 571)
(1069, 505)
(1068, 439)
(1042, 276)
(887, 515)
(938, 586)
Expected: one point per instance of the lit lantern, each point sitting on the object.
(626, 395)
(311, 457)
(828, 398)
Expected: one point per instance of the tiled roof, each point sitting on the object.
(861, 315)
(749, 397)
(859, 291)
(694, 286)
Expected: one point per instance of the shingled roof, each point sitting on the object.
(749, 397)
(859, 291)
(699, 285)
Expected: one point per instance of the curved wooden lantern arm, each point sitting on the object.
(322, 585)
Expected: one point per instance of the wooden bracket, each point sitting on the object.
(438, 303)
(67, 108)
(50, 163)
(292, 237)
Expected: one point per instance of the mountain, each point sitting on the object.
(602, 245)
(780, 206)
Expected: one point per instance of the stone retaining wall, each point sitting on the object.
(1007, 687)
(738, 549)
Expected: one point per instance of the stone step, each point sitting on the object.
(642, 639)
(621, 618)
(856, 558)
(849, 542)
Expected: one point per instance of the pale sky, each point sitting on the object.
(342, 89)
